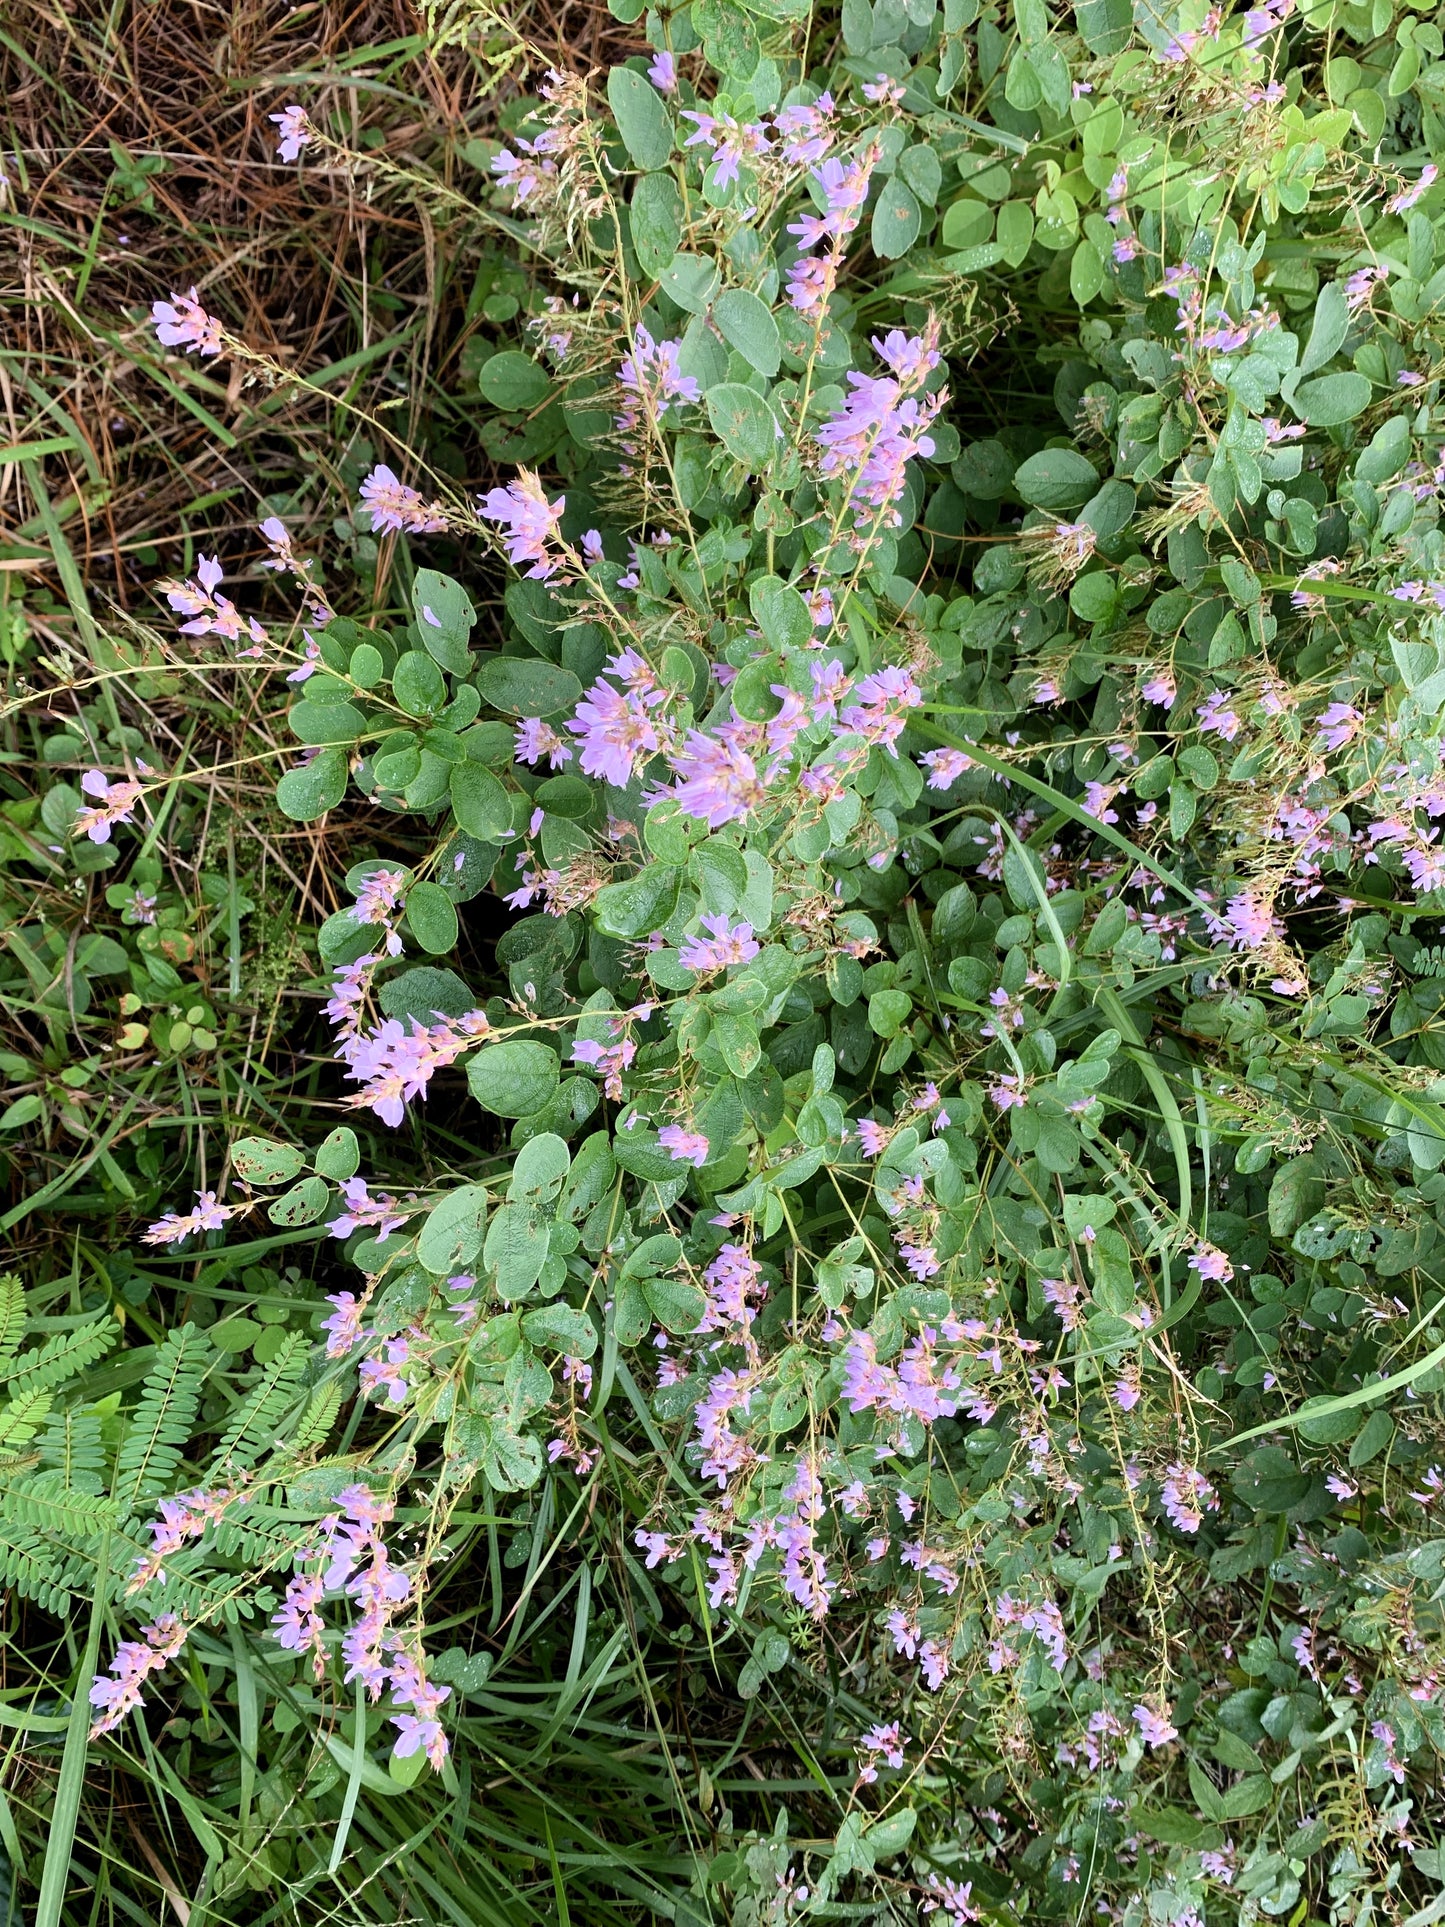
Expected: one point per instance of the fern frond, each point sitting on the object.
(159, 1427)
(253, 1425)
(22, 1417)
(45, 1504)
(74, 1445)
(12, 1315)
(36, 1571)
(318, 1418)
(63, 1357)
(260, 1537)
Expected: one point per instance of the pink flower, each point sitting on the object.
(529, 521)
(293, 132)
(1186, 1495)
(944, 766)
(1154, 1724)
(1211, 1263)
(182, 322)
(115, 802)
(207, 1216)
(536, 739)
(687, 1147)
(1402, 202)
(726, 945)
(394, 507)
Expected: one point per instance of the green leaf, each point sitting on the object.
(1056, 479)
(418, 685)
(433, 917)
(690, 282)
(923, 171)
(744, 423)
(746, 324)
(642, 119)
(302, 1204)
(258, 1160)
(676, 1304)
(641, 905)
(514, 382)
(896, 221)
(338, 1156)
(444, 618)
(1331, 325)
(425, 993)
(540, 1169)
(451, 1235)
(516, 1249)
(1104, 25)
(781, 613)
(656, 222)
(1015, 231)
(527, 686)
(513, 1079)
(479, 802)
(560, 1329)
(1331, 399)
(318, 786)
(514, 1459)
(326, 722)
(888, 1012)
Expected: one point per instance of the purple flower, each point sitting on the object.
(805, 130)
(536, 739)
(394, 507)
(343, 1327)
(293, 132)
(1211, 1263)
(617, 729)
(730, 143)
(880, 427)
(1402, 202)
(1338, 725)
(526, 174)
(1215, 714)
(119, 1692)
(207, 1216)
(1154, 1724)
(726, 945)
(1186, 1495)
(686, 1147)
(608, 1060)
(182, 322)
(651, 371)
(1362, 284)
(115, 802)
(529, 521)
(663, 72)
(718, 780)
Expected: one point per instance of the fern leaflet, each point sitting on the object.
(22, 1417)
(318, 1418)
(12, 1315)
(63, 1357)
(160, 1425)
(253, 1425)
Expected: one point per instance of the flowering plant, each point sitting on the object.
(959, 1094)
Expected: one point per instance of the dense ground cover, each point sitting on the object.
(723, 910)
